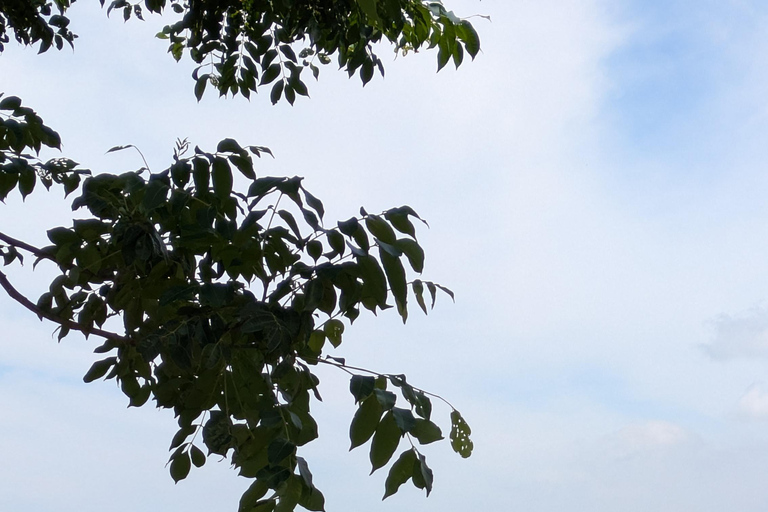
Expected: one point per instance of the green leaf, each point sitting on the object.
(120, 148)
(433, 292)
(426, 431)
(396, 277)
(270, 74)
(365, 421)
(400, 222)
(316, 341)
(466, 32)
(222, 178)
(264, 506)
(400, 472)
(336, 241)
(140, 397)
(10, 103)
(422, 475)
(313, 500)
(250, 497)
(333, 330)
(180, 466)
(290, 93)
(315, 249)
(291, 221)
(229, 146)
(201, 174)
(279, 449)
(315, 204)
(244, 164)
(458, 55)
(446, 290)
(290, 495)
(349, 227)
(387, 399)
(418, 290)
(374, 280)
(413, 252)
(460, 432)
(155, 194)
(369, 8)
(197, 455)
(366, 71)
(304, 471)
(443, 54)
(422, 404)
(361, 386)
(180, 172)
(380, 229)
(385, 441)
(27, 180)
(404, 419)
(99, 369)
(200, 86)
(277, 91)
(181, 435)
(264, 185)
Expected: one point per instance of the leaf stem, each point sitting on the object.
(347, 368)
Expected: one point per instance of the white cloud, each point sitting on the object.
(740, 336)
(754, 403)
(651, 434)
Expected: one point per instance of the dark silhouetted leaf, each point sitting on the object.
(385, 441)
(400, 472)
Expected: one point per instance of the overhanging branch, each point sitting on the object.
(70, 324)
(25, 246)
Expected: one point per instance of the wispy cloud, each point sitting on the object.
(754, 403)
(740, 336)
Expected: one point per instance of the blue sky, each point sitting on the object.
(595, 185)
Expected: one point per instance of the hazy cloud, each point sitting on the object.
(754, 403)
(650, 435)
(741, 336)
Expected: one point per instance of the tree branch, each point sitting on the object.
(29, 248)
(70, 324)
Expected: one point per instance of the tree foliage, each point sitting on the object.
(242, 45)
(216, 302)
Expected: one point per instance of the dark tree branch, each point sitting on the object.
(29, 248)
(70, 324)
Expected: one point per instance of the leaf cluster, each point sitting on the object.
(33, 21)
(217, 302)
(242, 46)
(22, 133)
(378, 419)
(227, 300)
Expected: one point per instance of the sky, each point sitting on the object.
(595, 187)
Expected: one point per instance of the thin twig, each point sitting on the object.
(348, 369)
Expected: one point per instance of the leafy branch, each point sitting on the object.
(69, 324)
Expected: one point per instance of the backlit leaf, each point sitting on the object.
(400, 472)
(385, 441)
(361, 386)
(180, 466)
(365, 421)
(99, 369)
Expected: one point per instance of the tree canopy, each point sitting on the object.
(240, 46)
(215, 302)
